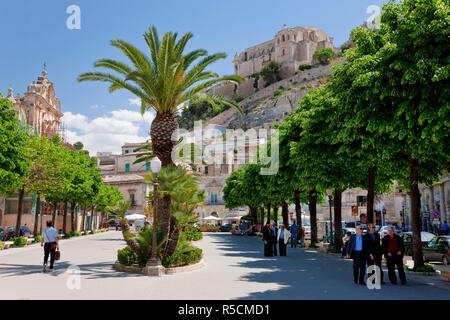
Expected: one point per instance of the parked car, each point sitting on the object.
(11, 231)
(384, 231)
(407, 239)
(438, 249)
(2, 234)
(225, 227)
(307, 232)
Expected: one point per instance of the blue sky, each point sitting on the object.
(35, 31)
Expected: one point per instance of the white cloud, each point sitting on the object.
(108, 132)
(96, 106)
(134, 102)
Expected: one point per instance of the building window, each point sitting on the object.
(206, 170)
(147, 166)
(283, 53)
(361, 200)
(245, 56)
(126, 151)
(127, 167)
(132, 200)
(284, 39)
(213, 198)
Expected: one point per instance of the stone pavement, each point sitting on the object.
(235, 268)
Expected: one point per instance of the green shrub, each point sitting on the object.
(192, 235)
(38, 238)
(91, 232)
(20, 242)
(126, 256)
(67, 235)
(426, 268)
(271, 72)
(1, 245)
(324, 56)
(75, 234)
(278, 92)
(185, 254)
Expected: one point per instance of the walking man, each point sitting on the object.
(50, 243)
(283, 238)
(377, 252)
(294, 232)
(445, 228)
(274, 233)
(394, 249)
(359, 250)
(301, 236)
(267, 239)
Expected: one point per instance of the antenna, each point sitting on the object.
(45, 66)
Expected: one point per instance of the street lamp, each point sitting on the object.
(330, 195)
(154, 266)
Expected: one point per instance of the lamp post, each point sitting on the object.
(330, 194)
(154, 266)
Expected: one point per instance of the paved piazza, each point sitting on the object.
(234, 269)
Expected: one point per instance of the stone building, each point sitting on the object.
(291, 47)
(436, 197)
(119, 170)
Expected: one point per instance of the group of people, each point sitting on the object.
(273, 236)
(368, 249)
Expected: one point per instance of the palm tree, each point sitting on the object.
(165, 82)
(182, 190)
(119, 211)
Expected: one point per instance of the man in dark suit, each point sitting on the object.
(267, 238)
(394, 249)
(274, 234)
(376, 250)
(359, 249)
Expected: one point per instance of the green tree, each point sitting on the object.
(324, 56)
(271, 72)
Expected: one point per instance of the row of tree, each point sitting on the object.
(45, 168)
(383, 116)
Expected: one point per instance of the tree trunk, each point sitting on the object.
(371, 194)
(262, 217)
(36, 215)
(172, 243)
(254, 213)
(313, 215)
(65, 218)
(161, 132)
(268, 212)
(72, 216)
(131, 242)
(338, 219)
(275, 214)
(163, 209)
(19, 212)
(42, 219)
(55, 205)
(83, 221)
(298, 209)
(415, 213)
(285, 213)
(92, 221)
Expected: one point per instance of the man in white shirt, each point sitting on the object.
(50, 243)
(283, 239)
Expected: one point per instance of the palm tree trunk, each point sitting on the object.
(36, 216)
(163, 209)
(172, 243)
(337, 219)
(285, 213)
(298, 209)
(65, 218)
(415, 213)
(161, 132)
(19, 212)
(131, 242)
(313, 215)
(371, 194)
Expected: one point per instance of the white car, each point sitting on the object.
(384, 231)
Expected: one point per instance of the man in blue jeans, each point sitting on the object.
(294, 232)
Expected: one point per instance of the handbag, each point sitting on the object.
(57, 255)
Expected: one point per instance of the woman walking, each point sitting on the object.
(50, 243)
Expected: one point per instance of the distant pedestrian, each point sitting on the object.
(362, 221)
(301, 237)
(283, 239)
(274, 233)
(445, 228)
(294, 233)
(267, 239)
(376, 250)
(394, 249)
(346, 241)
(359, 250)
(50, 243)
